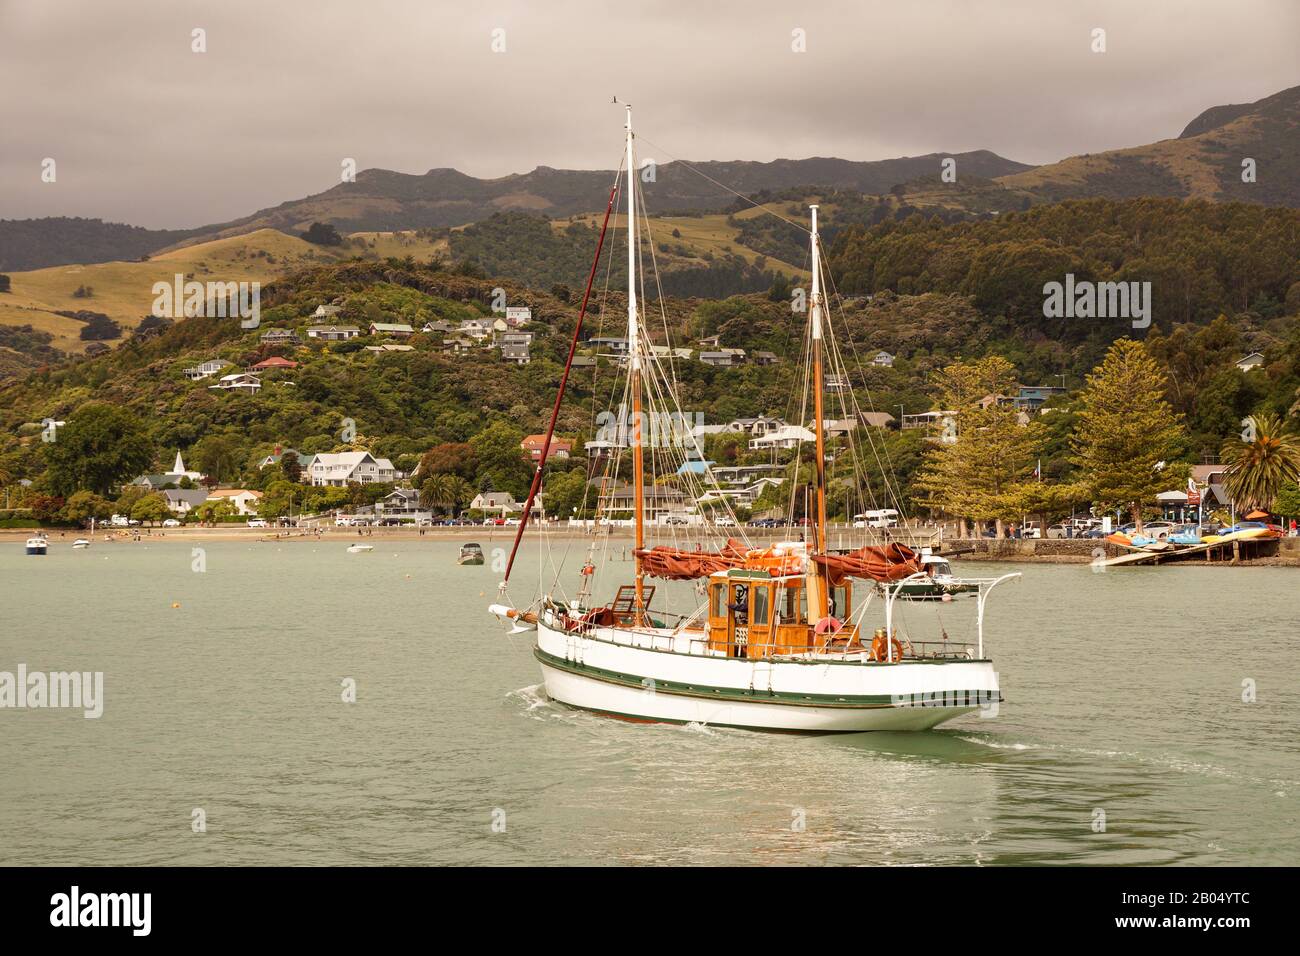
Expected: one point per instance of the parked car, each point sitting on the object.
(723, 521)
(257, 522)
(171, 523)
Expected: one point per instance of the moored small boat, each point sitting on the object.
(37, 544)
(360, 548)
(470, 553)
(942, 584)
(81, 543)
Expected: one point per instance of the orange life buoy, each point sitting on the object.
(588, 569)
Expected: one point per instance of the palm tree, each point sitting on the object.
(436, 492)
(1258, 468)
(460, 493)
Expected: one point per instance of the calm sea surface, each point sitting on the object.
(1123, 696)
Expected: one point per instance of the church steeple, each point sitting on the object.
(179, 467)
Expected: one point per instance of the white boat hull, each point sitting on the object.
(619, 673)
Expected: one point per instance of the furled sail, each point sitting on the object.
(889, 562)
(679, 564)
(880, 562)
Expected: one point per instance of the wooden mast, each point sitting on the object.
(634, 350)
(819, 428)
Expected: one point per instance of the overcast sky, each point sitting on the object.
(145, 131)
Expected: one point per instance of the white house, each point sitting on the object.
(182, 502)
(344, 468)
(239, 382)
(787, 436)
(1252, 361)
(204, 369)
(502, 502)
(326, 311)
(244, 500)
(883, 359)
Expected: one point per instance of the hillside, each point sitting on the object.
(1204, 162)
(122, 290)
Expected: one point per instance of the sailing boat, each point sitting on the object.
(778, 643)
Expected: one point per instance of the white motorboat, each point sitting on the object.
(37, 544)
(81, 543)
(360, 548)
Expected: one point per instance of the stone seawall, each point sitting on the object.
(1085, 550)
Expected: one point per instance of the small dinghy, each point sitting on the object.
(360, 548)
(81, 543)
(37, 544)
(470, 553)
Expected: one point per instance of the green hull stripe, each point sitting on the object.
(855, 702)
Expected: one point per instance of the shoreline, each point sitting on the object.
(987, 550)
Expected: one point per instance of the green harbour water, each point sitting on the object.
(1123, 696)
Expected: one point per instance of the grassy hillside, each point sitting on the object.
(123, 290)
(1203, 163)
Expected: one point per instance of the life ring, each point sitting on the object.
(588, 569)
(878, 651)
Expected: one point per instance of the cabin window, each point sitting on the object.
(840, 596)
(758, 606)
(718, 606)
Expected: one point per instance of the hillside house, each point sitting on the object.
(279, 337)
(392, 330)
(518, 354)
(333, 333)
(274, 363)
(239, 382)
(1249, 362)
(788, 436)
(344, 468)
(561, 448)
(204, 369)
(883, 359)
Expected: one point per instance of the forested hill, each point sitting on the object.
(60, 240)
(1201, 258)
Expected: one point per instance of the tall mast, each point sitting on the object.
(634, 349)
(819, 428)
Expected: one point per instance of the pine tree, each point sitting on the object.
(1126, 430)
(981, 464)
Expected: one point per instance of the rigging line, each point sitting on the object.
(723, 186)
(895, 492)
(564, 381)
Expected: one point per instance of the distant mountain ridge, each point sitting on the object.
(383, 200)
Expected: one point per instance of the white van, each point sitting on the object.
(883, 518)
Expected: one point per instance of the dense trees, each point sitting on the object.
(99, 447)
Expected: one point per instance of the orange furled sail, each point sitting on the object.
(890, 562)
(880, 562)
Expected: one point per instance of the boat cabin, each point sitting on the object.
(754, 614)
